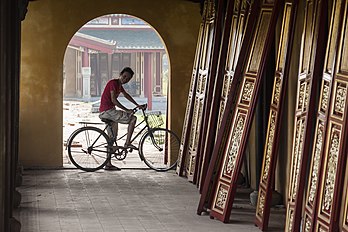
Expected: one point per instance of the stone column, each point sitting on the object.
(86, 82)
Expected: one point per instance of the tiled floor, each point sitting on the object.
(127, 200)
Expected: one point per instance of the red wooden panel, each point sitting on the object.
(233, 33)
(208, 181)
(189, 107)
(335, 151)
(208, 87)
(311, 199)
(274, 124)
(234, 148)
(311, 68)
(200, 97)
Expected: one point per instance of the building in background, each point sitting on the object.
(102, 47)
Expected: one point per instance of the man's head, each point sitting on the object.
(126, 75)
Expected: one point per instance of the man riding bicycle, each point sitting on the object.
(108, 104)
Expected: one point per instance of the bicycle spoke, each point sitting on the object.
(157, 147)
(93, 154)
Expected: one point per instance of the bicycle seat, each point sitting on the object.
(107, 121)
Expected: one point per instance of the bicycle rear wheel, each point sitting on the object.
(157, 146)
(87, 148)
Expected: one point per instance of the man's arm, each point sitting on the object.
(129, 98)
(117, 103)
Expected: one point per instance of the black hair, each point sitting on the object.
(128, 70)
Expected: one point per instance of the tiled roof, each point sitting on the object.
(128, 39)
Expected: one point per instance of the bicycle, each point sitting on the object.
(88, 147)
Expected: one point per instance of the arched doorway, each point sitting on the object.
(97, 53)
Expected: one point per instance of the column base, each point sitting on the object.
(276, 198)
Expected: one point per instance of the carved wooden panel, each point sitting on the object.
(208, 16)
(321, 123)
(234, 148)
(188, 113)
(273, 130)
(199, 98)
(234, 34)
(335, 152)
(311, 69)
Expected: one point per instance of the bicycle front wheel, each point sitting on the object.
(157, 147)
(87, 148)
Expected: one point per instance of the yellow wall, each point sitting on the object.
(46, 31)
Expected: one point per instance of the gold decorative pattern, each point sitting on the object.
(235, 143)
(308, 225)
(297, 157)
(247, 92)
(316, 162)
(340, 98)
(330, 176)
(225, 86)
(194, 121)
(270, 141)
(325, 96)
(301, 95)
(291, 218)
(277, 88)
(211, 10)
(261, 203)
(221, 197)
(307, 94)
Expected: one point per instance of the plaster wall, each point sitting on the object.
(46, 31)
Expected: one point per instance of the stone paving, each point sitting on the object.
(127, 200)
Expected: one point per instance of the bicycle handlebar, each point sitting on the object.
(139, 107)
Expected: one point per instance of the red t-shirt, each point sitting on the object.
(105, 101)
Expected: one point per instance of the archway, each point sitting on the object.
(97, 53)
(48, 28)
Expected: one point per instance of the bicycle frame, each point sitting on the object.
(134, 137)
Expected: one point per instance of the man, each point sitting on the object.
(108, 110)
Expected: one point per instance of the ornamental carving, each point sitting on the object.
(316, 163)
(221, 112)
(247, 90)
(330, 177)
(269, 145)
(308, 225)
(301, 95)
(261, 204)
(225, 87)
(192, 80)
(325, 96)
(194, 120)
(234, 145)
(291, 218)
(340, 100)
(204, 80)
(307, 94)
(221, 197)
(211, 9)
(297, 156)
(277, 88)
